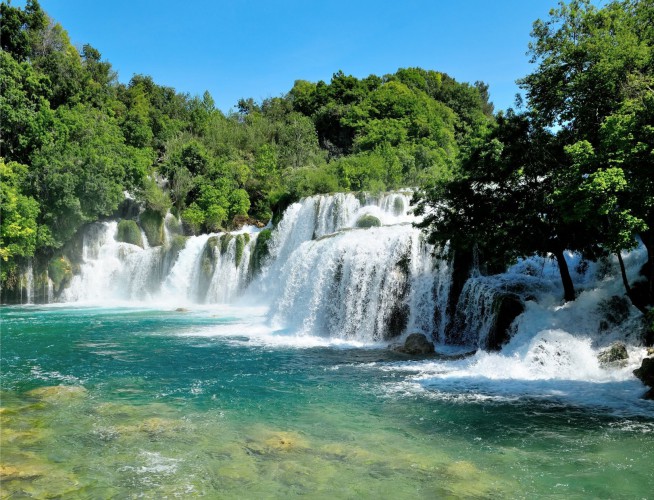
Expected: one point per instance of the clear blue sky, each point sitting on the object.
(258, 48)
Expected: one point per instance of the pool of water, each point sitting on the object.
(137, 402)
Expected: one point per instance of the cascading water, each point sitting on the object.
(119, 271)
(330, 278)
(27, 283)
(324, 276)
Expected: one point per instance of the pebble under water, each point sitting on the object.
(146, 403)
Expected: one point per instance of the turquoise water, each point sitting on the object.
(125, 402)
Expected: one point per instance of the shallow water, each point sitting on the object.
(127, 402)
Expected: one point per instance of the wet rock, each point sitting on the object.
(416, 344)
(60, 271)
(181, 310)
(153, 226)
(614, 355)
(507, 308)
(453, 356)
(366, 221)
(129, 232)
(243, 220)
(614, 311)
(646, 372)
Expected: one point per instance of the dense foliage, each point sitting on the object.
(575, 169)
(73, 140)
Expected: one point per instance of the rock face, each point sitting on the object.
(614, 355)
(416, 344)
(60, 271)
(153, 226)
(646, 372)
(507, 308)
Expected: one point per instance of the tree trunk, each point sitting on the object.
(627, 286)
(568, 286)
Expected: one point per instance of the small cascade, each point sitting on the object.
(183, 270)
(27, 284)
(50, 291)
(231, 268)
(476, 311)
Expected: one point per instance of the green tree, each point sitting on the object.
(19, 226)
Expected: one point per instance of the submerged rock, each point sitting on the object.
(614, 355)
(416, 344)
(453, 356)
(58, 393)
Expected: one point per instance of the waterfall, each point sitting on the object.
(330, 278)
(323, 275)
(27, 283)
(210, 268)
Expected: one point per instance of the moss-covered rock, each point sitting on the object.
(174, 225)
(241, 242)
(207, 259)
(416, 344)
(366, 221)
(153, 226)
(224, 242)
(398, 206)
(614, 355)
(129, 232)
(60, 271)
(177, 244)
(260, 251)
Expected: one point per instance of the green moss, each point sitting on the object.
(153, 226)
(240, 247)
(129, 232)
(178, 244)
(224, 243)
(366, 221)
(260, 251)
(398, 206)
(207, 259)
(60, 271)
